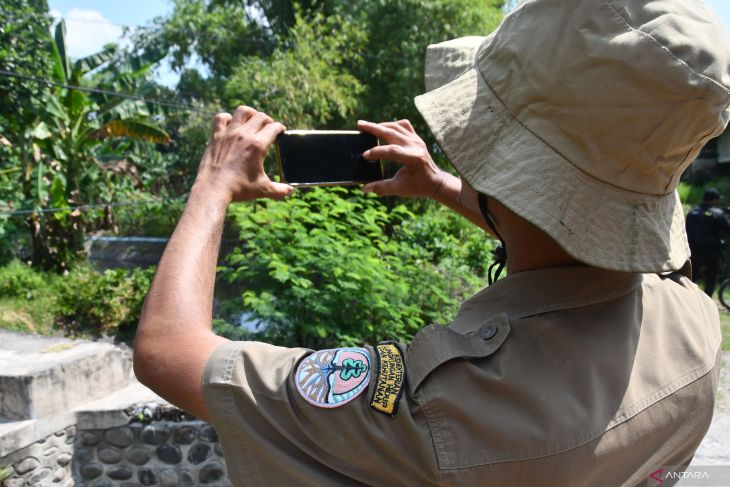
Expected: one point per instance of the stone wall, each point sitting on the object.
(164, 453)
(45, 462)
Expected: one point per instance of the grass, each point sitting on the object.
(28, 300)
(28, 316)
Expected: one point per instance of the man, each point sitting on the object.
(705, 226)
(591, 363)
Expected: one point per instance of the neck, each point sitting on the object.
(528, 247)
(526, 255)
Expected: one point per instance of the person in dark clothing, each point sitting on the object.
(705, 226)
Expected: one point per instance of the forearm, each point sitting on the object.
(448, 194)
(181, 296)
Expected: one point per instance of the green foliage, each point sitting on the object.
(398, 33)
(6, 472)
(20, 280)
(24, 38)
(217, 32)
(97, 304)
(27, 298)
(691, 194)
(334, 266)
(304, 82)
(84, 302)
(23, 42)
(56, 154)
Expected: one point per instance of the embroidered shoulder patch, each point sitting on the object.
(331, 378)
(391, 375)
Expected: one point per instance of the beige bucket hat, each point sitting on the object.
(580, 116)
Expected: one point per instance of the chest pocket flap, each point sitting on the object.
(434, 345)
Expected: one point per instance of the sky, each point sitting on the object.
(92, 23)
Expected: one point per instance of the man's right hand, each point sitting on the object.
(419, 176)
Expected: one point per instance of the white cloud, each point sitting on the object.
(87, 31)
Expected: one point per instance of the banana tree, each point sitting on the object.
(76, 123)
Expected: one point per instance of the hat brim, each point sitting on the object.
(595, 222)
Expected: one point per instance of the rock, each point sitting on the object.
(168, 478)
(139, 456)
(169, 454)
(120, 472)
(218, 449)
(60, 433)
(186, 479)
(70, 430)
(26, 465)
(38, 476)
(65, 458)
(207, 433)
(83, 455)
(50, 451)
(89, 439)
(121, 437)
(91, 470)
(155, 434)
(60, 474)
(212, 472)
(109, 455)
(147, 476)
(16, 482)
(184, 435)
(103, 483)
(198, 453)
(69, 483)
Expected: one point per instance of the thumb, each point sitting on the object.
(277, 191)
(386, 187)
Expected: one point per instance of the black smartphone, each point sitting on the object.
(326, 157)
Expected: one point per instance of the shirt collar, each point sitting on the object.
(543, 290)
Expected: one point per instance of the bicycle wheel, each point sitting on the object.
(724, 293)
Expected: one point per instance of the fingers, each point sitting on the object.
(380, 130)
(406, 124)
(241, 115)
(269, 132)
(220, 123)
(257, 121)
(397, 127)
(395, 153)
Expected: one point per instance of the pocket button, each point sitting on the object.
(488, 332)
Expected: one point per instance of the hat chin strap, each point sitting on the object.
(499, 253)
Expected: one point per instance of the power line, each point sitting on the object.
(89, 207)
(101, 91)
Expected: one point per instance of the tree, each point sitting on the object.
(305, 81)
(23, 52)
(398, 33)
(58, 150)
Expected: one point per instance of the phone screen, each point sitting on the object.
(326, 157)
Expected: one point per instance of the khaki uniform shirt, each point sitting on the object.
(560, 376)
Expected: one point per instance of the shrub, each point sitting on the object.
(97, 304)
(333, 266)
(22, 281)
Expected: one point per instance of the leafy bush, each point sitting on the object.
(95, 304)
(334, 266)
(22, 281)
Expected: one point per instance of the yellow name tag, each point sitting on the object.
(391, 375)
